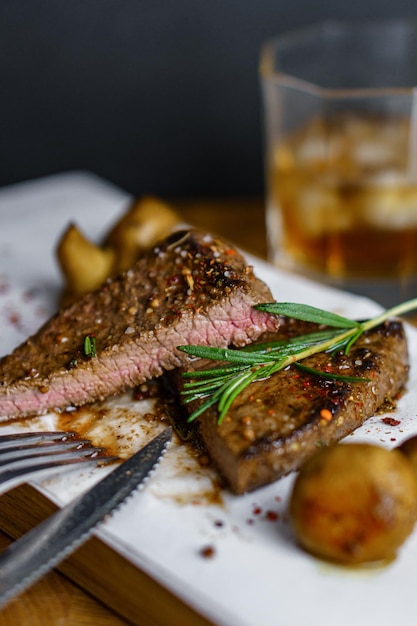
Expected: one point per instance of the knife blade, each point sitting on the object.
(41, 549)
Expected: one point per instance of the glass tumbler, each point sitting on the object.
(340, 128)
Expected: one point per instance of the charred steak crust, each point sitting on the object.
(275, 425)
(193, 288)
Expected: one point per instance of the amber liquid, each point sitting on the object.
(341, 201)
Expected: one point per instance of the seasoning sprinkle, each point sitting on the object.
(326, 415)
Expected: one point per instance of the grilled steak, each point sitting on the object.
(274, 425)
(190, 289)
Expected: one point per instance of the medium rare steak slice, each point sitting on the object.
(192, 288)
(274, 425)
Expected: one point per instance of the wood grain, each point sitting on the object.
(55, 600)
(97, 569)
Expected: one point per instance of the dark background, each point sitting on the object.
(156, 96)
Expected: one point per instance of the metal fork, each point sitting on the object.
(37, 454)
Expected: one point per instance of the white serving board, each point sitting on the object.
(257, 575)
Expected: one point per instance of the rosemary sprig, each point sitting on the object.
(221, 385)
(90, 348)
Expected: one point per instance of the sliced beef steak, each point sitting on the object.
(190, 289)
(274, 425)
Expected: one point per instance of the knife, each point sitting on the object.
(38, 551)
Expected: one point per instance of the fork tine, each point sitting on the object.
(44, 450)
(12, 478)
(28, 455)
(28, 439)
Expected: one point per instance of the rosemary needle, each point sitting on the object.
(220, 385)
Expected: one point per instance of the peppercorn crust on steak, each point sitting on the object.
(193, 288)
(274, 425)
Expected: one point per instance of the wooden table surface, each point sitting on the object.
(55, 600)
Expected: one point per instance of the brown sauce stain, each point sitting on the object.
(123, 424)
